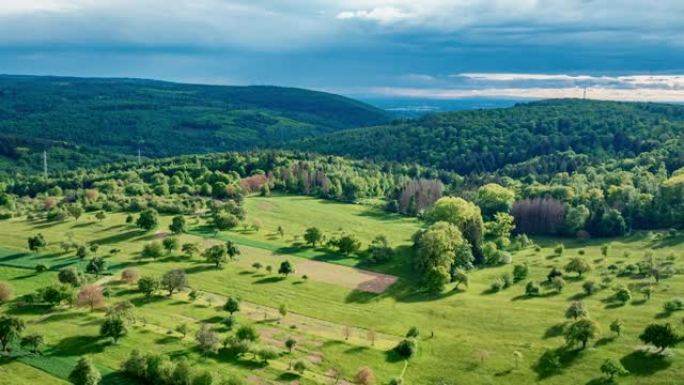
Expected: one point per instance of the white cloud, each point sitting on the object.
(382, 15)
(674, 82)
(640, 94)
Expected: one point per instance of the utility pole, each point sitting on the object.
(45, 166)
(139, 155)
(585, 93)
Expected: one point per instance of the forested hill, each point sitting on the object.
(82, 118)
(487, 140)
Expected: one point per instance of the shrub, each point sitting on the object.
(673, 305)
(589, 287)
(532, 289)
(406, 348)
(364, 376)
(497, 284)
(520, 272)
(558, 283)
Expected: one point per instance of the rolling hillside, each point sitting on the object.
(487, 140)
(88, 121)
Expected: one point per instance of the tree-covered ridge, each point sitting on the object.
(120, 115)
(486, 140)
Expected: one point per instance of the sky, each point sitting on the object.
(441, 49)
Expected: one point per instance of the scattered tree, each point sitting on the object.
(576, 310)
(177, 225)
(129, 276)
(661, 336)
(10, 330)
(232, 305)
(581, 331)
(313, 236)
(578, 265)
(32, 341)
(148, 285)
(174, 280)
(612, 368)
(114, 328)
(5, 292)
(286, 268)
(216, 255)
(364, 376)
(207, 339)
(91, 296)
(85, 373)
(148, 219)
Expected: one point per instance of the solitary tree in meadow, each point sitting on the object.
(661, 336)
(207, 339)
(612, 368)
(232, 250)
(174, 280)
(576, 310)
(170, 244)
(581, 331)
(190, 249)
(313, 236)
(177, 225)
(290, 344)
(85, 373)
(90, 296)
(148, 219)
(10, 330)
(32, 342)
(216, 255)
(114, 328)
(96, 266)
(232, 305)
(6, 292)
(578, 265)
(286, 268)
(148, 285)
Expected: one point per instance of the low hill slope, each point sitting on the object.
(487, 140)
(116, 116)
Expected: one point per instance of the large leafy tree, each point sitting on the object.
(466, 216)
(581, 331)
(148, 219)
(661, 336)
(493, 198)
(438, 249)
(85, 373)
(174, 280)
(216, 255)
(10, 330)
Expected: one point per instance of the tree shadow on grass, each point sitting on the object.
(273, 279)
(604, 341)
(601, 381)
(79, 346)
(578, 296)
(392, 356)
(199, 269)
(213, 320)
(642, 363)
(82, 224)
(555, 330)
(28, 310)
(566, 356)
(288, 376)
(119, 238)
(165, 340)
(228, 357)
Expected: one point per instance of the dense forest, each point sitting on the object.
(78, 119)
(487, 140)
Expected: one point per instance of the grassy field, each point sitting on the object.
(467, 337)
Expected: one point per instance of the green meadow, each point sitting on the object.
(467, 335)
